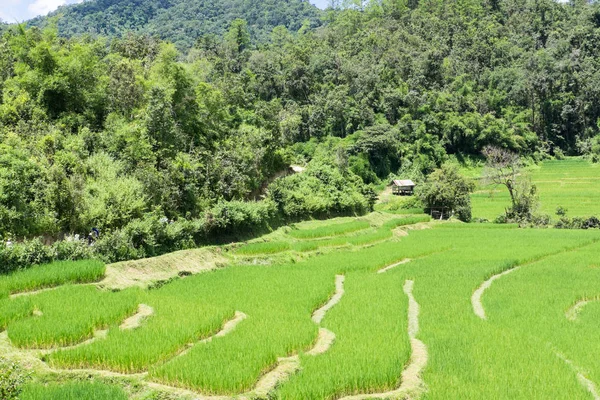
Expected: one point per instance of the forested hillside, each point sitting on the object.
(180, 21)
(101, 132)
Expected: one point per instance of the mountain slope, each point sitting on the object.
(180, 21)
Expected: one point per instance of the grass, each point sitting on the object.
(180, 317)
(573, 184)
(70, 315)
(72, 391)
(51, 275)
(371, 347)
(512, 354)
(330, 230)
(263, 248)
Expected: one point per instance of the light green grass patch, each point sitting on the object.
(572, 183)
(50, 275)
(330, 230)
(73, 391)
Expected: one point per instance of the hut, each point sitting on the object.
(404, 187)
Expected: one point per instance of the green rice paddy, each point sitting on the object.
(534, 336)
(573, 184)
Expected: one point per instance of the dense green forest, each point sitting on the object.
(112, 132)
(180, 21)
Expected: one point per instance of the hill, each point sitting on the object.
(180, 21)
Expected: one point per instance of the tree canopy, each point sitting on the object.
(181, 22)
(100, 131)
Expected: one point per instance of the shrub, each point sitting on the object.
(12, 378)
(319, 191)
(447, 188)
(578, 223)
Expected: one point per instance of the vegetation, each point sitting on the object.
(447, 263)
(184, 23)
(50, 275)
(101, 132)
(572, 184)
(329, 230)
(72, 391)
(69, 315)
(447, 191)
(12, 379)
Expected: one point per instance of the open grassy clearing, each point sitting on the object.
(573, 184)
(362, 344)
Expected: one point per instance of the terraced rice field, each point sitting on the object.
(428, 310)
(573, 184)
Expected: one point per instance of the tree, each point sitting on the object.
(504, 168)
(447, 188)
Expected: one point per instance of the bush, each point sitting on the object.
(12, 378)
(446, 188)
(320, 191)
(578, 223)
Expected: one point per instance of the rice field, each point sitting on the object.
(73, 391)
(573, 184)
(51, 275)
(444, 310)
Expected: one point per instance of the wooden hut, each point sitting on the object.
(404, 187)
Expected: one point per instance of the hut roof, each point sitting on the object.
(403, 182)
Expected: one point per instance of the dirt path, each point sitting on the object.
(573, 312)
(585, 382)
(47, 289)
(412, 384)
(285, 368)
(476, 298)
(228, 327)
(324, 342)
(385, 269)
(135, 321)
(318, 315)
(145, 272)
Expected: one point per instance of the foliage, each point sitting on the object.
(319, 191)
(447, 190)
(573, 184)
(32, 252)
(180, 22)
(577, 223)
(99, 132)
(12, 379)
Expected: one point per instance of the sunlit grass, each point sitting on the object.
(329, 230)
(72, 391)
(50, 275)
(573, 184)
(469, 358)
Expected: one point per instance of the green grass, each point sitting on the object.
(330, 230)
(73, 391)
(50, 275)
(263, 248)
(573, 184)
(371, 346)
(509, 355)
(70, 315)
(180, 317)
